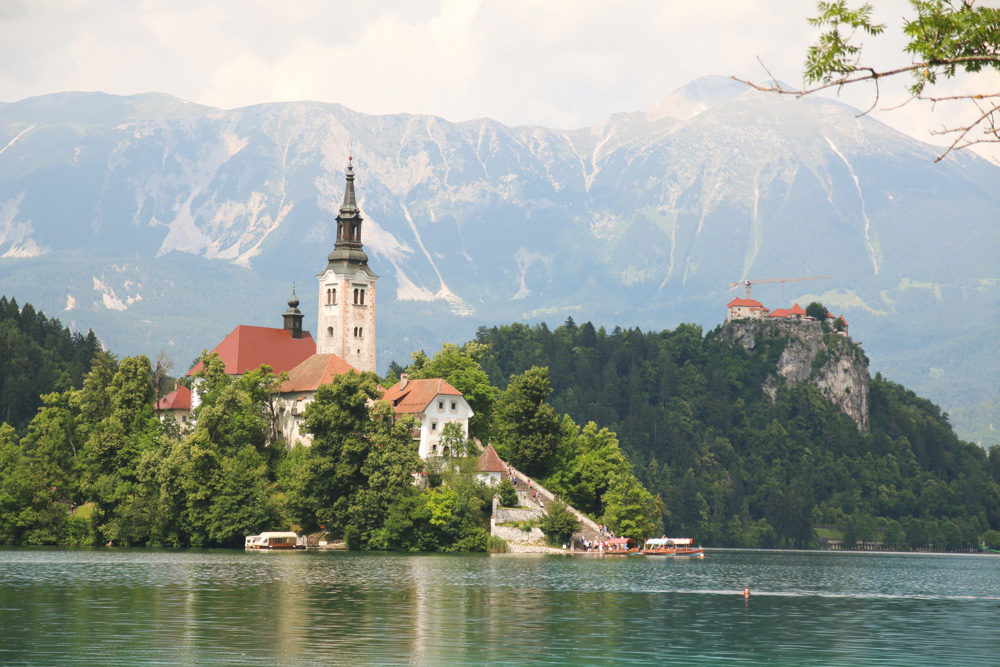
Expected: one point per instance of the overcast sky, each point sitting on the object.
(561, 63)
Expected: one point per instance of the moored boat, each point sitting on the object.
(659, 546)
(620, 546)
(676, 547)
(274, 540)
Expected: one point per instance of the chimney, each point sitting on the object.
(403, 379)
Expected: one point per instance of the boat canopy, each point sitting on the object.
(274, 534)
(620, 541)
(669, 541)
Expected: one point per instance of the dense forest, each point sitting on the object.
(38, 355)
(734, 468)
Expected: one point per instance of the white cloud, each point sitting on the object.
(561, 63)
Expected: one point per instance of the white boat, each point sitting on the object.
(274, 540)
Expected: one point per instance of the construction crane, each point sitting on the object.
(748, 282)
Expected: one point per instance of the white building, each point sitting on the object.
(434, 403)
(745, 309)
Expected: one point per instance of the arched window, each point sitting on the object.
(355, 332)
(329, 331)
(356, 296)
(333, 295)
(361, 332)
(362, 297)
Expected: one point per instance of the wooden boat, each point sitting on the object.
(274, 540)
(659, 546)
(620, 546)
(676, 547)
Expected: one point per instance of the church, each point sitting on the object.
(345, 342)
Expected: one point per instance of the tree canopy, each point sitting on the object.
(943, 37)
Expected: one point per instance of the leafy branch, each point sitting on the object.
(945, 37)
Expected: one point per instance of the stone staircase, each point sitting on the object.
(537, 498)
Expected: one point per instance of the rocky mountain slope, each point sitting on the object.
(162, 223)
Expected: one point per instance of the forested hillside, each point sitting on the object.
(734, 467)
(38, 355)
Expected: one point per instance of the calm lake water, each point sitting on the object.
(114, 606)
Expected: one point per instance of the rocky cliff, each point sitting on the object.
(811, 353)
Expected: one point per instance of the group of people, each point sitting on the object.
(600, 545)
(535, 496)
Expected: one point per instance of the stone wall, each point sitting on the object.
(506, 514)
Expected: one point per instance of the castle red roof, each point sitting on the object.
(490, 461)
(415, 395)
(830, 316)
(788, 312)
(246, 348)
(314, 371)
(749, 303)
(178, 399)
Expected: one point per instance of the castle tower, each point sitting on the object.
(347, 291)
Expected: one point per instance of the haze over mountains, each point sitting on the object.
(162, 223)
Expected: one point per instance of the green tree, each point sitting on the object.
(527, 428)
(559, 523)
(943, 37)
(597, 465)
(630, 510)
(243, 504)
(188, 480)
(816, 310)
(508, 494)
(339, 421)
(386, 475)
(453, 441)
(30, 512)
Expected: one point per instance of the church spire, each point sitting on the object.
(350, 205)
(348, 246)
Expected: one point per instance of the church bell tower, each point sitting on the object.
(347, 291)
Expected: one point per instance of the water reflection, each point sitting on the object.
(217, 607)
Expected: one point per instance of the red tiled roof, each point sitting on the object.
(314, 371)
(417, 394)
(786, 312)
(178, 399)
(246, 348)
(749, 303)
(490, 461)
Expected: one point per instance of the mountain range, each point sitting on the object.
(161, 223)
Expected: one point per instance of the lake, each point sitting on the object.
(123, 606)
